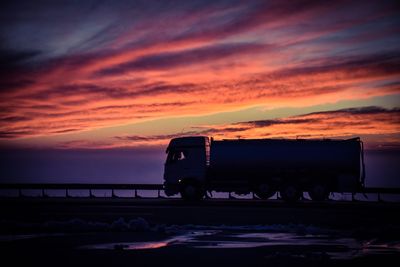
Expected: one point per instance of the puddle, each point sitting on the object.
(8, 238)
(129, 245)
(182, 239)
(335, 248)
(376, 247)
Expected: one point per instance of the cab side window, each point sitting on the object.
(178, 155)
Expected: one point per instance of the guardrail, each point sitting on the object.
(135, 187)
(381, 190)
(81, 186)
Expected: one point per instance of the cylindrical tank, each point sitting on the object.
(230, 159)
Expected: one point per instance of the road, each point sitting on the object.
(337, 214)
(38, 231)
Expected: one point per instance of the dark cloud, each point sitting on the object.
(304, 119)
(144, 106)
(357, 65)
(58, 59)
(361, 111)
(149, 138)
(66, 130)
(14, 119)
(78, 90)
(165, 137)
(225, 130)
(184, 58)
(223, 24)
(91, 92)
(369, 110)
(8, 84)
(266, 123)
(12, 64)
(14, 134)
(256, 14)
(12, 58)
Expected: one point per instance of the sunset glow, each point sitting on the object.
(92, 81)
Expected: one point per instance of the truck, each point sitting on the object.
(196, 165)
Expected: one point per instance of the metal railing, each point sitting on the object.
(82, 186)
(135, 187)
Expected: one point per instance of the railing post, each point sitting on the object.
(44, 193)
(136, 194)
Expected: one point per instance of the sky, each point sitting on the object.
(118, 75)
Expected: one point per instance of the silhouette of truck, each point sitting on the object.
(198, 164)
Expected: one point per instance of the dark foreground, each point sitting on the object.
(147, 232)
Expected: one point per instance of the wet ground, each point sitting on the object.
(200, 245)
(149, 233)
(312, 241)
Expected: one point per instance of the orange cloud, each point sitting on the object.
(377, 126)
(195, 61)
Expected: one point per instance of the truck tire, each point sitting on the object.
(264, 191)
(319, 192)
(290, 192)
(191, 191)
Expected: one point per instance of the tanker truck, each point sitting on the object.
(196, 165)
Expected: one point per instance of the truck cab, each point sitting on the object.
(186, 165)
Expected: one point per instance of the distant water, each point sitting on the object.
(82, 166)
(382, 168)
(137, 166)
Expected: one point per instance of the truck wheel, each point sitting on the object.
(319, 192)
(191, 192)
(290, 193)
(264, 191)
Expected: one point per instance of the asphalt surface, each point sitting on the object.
(339, 214)
(39, 232)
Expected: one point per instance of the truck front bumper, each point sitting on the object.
(171, 189)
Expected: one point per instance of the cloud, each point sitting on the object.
(70, 106)
(9, 134)
(122, 63)
(368, 122)
(267, 123)
(361, 111)
(354, 66)
(153, 138)
(184, 58)
(14, 119)
(12, 58)
(364, 121)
